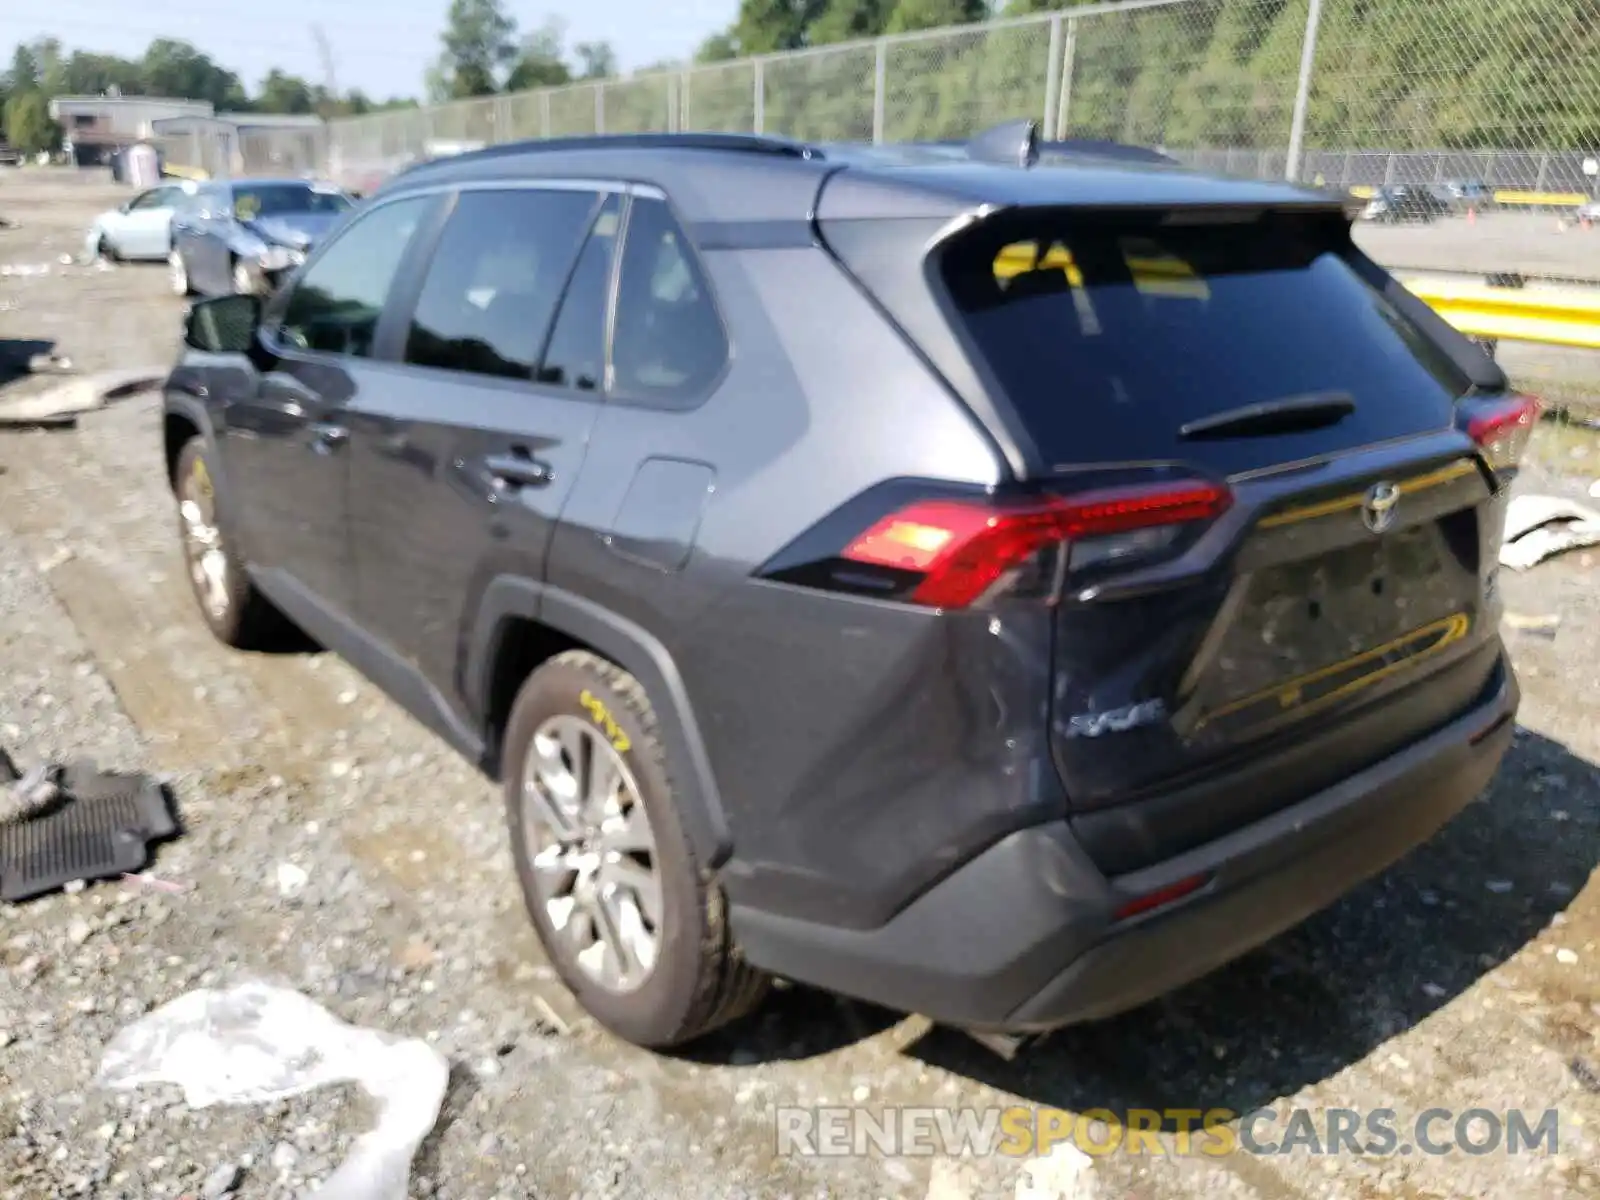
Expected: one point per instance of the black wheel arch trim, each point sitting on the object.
(635, 651)
(180, 402)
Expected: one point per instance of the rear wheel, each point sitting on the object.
(246, 282)
(235, 612)
(178, 274)
(631, 922)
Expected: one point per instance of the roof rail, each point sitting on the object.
(745, 143)
(1107, 149)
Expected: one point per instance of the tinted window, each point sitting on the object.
(213, 201)
(152, 199)
(276, 199)
(494, 281)
(1109, 334)
(335, 305)
(576, 355)
(668, 343)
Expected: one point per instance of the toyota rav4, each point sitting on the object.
(1000, 581)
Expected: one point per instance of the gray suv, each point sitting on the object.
(1000, 581)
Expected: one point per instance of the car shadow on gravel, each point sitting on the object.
(16, 354)
(794, 1023)
(1331, 991)
(1304, 1007)
(458, 1096)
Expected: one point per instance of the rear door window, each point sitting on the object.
(495, 279)
(1109, 333)
(576, 355)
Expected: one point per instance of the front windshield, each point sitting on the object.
(279, 199)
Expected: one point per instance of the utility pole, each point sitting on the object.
(330, 74)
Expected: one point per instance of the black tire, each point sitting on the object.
(699, 981)
(176, 264)
(248, 620)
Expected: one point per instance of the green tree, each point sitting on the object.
(719, 47)
(284, 93)
(172, 67)
(596, 60)
(911, 15)
(542, 59)
(767, 26)
(52, 62)
(28, 124)
(24, 73)
(479, 42)
(847, 20)
(88, 74)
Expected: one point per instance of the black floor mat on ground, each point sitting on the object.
(102, 827)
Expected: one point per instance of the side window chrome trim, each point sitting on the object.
(552, 183)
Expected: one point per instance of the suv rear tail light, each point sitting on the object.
(956, 551)
(1502, 427)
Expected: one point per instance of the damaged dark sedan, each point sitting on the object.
(247, 235)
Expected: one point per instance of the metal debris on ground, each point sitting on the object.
(61, 824)
(255, 1043)
(1541, 527)
(1544, 624)
(69, 400)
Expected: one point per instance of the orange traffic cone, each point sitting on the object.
(1472, 215)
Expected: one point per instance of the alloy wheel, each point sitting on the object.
(593, 853)
(202, 542)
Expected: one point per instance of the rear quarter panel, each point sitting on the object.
(859, 748)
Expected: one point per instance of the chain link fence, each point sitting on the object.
(1350, 92)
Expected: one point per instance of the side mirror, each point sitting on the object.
(223, 324)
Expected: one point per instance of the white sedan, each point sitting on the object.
(139, 229)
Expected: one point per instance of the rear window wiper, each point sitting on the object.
(1291, 414)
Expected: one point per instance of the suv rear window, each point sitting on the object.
(1108, 333)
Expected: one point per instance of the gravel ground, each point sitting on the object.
(1533, 243)
(1468, 976)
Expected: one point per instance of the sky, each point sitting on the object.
(381, 47)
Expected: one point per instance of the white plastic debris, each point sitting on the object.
(292, 880)
(1065, 1173)
(255, 1043)
(1540, 527)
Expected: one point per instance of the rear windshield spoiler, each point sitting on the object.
(1484, 373)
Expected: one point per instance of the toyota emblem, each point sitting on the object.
(1381, 506)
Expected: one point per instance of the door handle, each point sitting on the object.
(326, 438)
(517, 469)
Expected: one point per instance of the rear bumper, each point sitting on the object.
(1025, 937)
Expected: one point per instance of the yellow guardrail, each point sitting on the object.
(1554, 317)
(1510, 197)
(194, 173)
